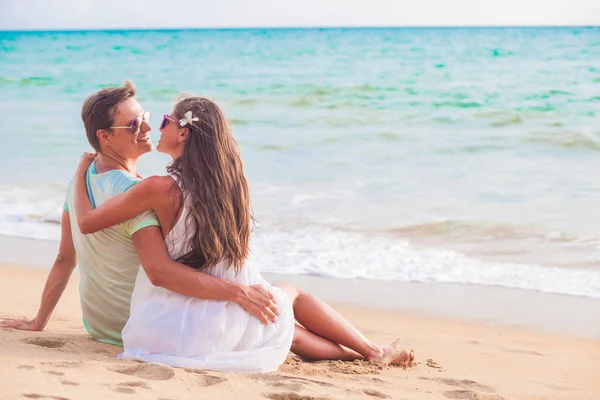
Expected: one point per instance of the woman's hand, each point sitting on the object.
(259, 302)
(85, 161)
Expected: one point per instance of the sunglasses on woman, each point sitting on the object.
(135, 124)
(165, 121)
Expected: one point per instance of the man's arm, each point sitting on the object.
(57, 281)
(164, 272)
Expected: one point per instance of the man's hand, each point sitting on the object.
(259, 302)
(22, 324)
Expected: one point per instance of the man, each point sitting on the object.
(117, 129)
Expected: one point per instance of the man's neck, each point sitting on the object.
(109, 162)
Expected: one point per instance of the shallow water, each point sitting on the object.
(453, 155)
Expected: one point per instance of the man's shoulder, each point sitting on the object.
(118, 181)
(68, 195)
(152, 184)
(70, 185)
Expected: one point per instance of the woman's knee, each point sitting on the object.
(289, 289)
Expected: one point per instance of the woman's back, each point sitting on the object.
(167, 205)
(183, 331)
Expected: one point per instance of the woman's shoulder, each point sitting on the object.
(156, 184)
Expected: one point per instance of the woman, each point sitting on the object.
(203, 207)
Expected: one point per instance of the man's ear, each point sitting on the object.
(103, 135)
(183, 135)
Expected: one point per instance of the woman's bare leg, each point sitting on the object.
(312, 347)
(327, 325)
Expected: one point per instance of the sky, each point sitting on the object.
(116, 14)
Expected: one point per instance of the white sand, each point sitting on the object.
(457, 360)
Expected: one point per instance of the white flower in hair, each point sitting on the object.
(187, 119)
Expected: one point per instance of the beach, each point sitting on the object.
(482, 357)
(435, 185)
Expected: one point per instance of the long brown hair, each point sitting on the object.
(214, 187)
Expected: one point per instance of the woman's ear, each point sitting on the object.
(183, 134)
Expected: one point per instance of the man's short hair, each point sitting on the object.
(99, 110)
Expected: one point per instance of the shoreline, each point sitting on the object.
(492, 305)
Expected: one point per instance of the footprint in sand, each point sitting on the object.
(143, 385)
(195, 371)
(279, 381)
(376, 393)
(69, 383)
(124, 390)
(55, 373)
(63, 364)
(461, 383)
(292, 396)
(289, 386)
(129, 387)
(320, 383)
(520, 351)
(277, 378)
(42, 396)
(49, 343)
(154, 372)
(25, 366)
(471, 395)
(209, 380)
(205, 380)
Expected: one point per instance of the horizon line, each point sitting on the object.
(324, 27)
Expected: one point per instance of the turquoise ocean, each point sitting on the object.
(428, 155)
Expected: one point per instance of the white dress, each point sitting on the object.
(181, 331)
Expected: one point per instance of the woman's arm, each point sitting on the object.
(55, 283)
(164, 272)
(146, 195)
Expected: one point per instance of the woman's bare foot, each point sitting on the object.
(395, 354)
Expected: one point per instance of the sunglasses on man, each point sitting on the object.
(135, 124)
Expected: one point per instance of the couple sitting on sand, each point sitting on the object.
(199, 300)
